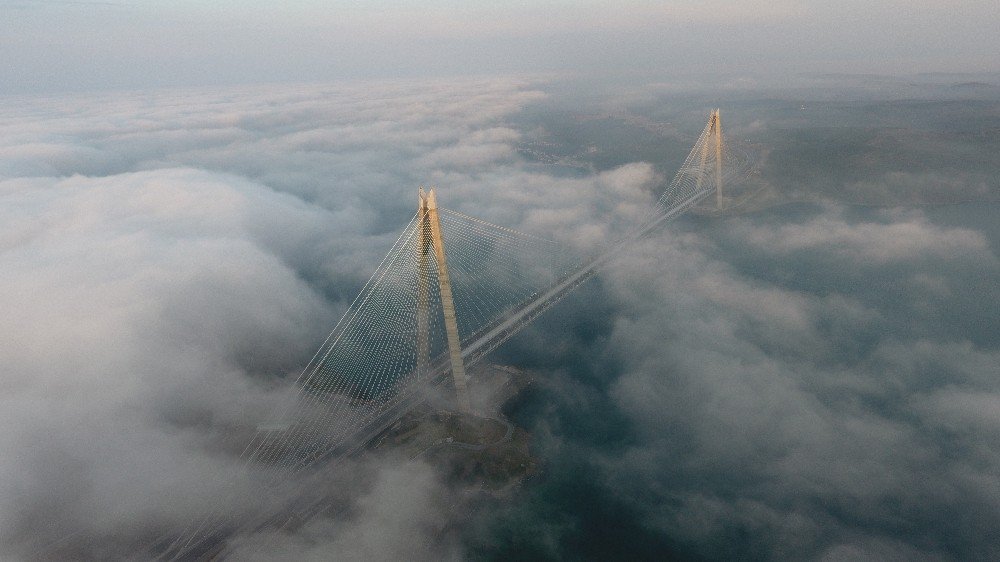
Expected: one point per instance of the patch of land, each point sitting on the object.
(482, 448)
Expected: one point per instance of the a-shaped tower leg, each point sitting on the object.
(717, 118)
(714, 134)
(430, 235)
(423, 287)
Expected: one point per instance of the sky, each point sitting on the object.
(192, 195)
(51, 46)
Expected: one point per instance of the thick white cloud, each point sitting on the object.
(135, 305)
(801, 418)
(399, 518)
(166, 254)
(903, 236)
(161, 266)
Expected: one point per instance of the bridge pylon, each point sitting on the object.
(713, 140)
(430, 238)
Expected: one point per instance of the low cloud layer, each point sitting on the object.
(896, 237)
(169, 255)
(808, 421)
(773, 408)
(142, 313)
(814, 381)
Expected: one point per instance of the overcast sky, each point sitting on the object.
(59, 45)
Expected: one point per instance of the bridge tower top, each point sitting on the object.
(712, 139)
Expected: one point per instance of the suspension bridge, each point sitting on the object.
(450, 290)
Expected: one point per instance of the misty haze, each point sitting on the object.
(690, 281)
